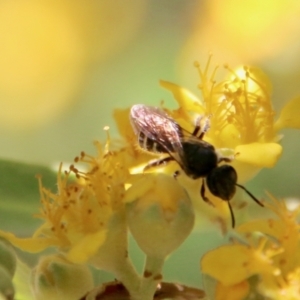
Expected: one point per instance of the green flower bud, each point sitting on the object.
(6, 286)
(7, 257)
(160, 214)
(56, 278)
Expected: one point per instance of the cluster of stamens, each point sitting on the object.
(240, 104)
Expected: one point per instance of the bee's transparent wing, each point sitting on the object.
(157, 126)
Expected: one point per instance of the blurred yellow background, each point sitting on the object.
(65, 65)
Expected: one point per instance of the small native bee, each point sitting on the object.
(158, 132)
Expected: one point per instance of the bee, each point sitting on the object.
(158, 133)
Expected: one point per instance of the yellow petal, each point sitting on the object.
(156, 187)
(289, 115)
(86, 247)
(186, 100)
(121, 117)
(233, 292)
(138, 189)
(270, 227)
(217, 264)
(231, 264)
(259, 154)
(30, 244)
(262, 79)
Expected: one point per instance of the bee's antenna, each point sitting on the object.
(232, 215)
(250, 194)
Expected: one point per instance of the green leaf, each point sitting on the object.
(19, 195)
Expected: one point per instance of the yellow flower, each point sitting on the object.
(276, 259)
(78, 218)
(241, 115)
(241, 125)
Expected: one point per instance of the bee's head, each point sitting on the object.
(221, 182)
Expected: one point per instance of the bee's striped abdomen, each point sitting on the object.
(150, 144)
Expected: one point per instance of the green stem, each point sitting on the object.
(152, 276)
(127, 274)
(112, 256)
(141, 288)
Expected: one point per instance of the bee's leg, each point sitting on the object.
(176, 174)
(232, 215)
(225, 159)
(202, 192)
(158, 162)
(198, 128)
(226, 155)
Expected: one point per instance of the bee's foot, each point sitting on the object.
(208, 202)
(176, 174)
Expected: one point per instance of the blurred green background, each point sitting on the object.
(65, 65)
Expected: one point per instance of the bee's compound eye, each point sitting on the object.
(221, 182)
